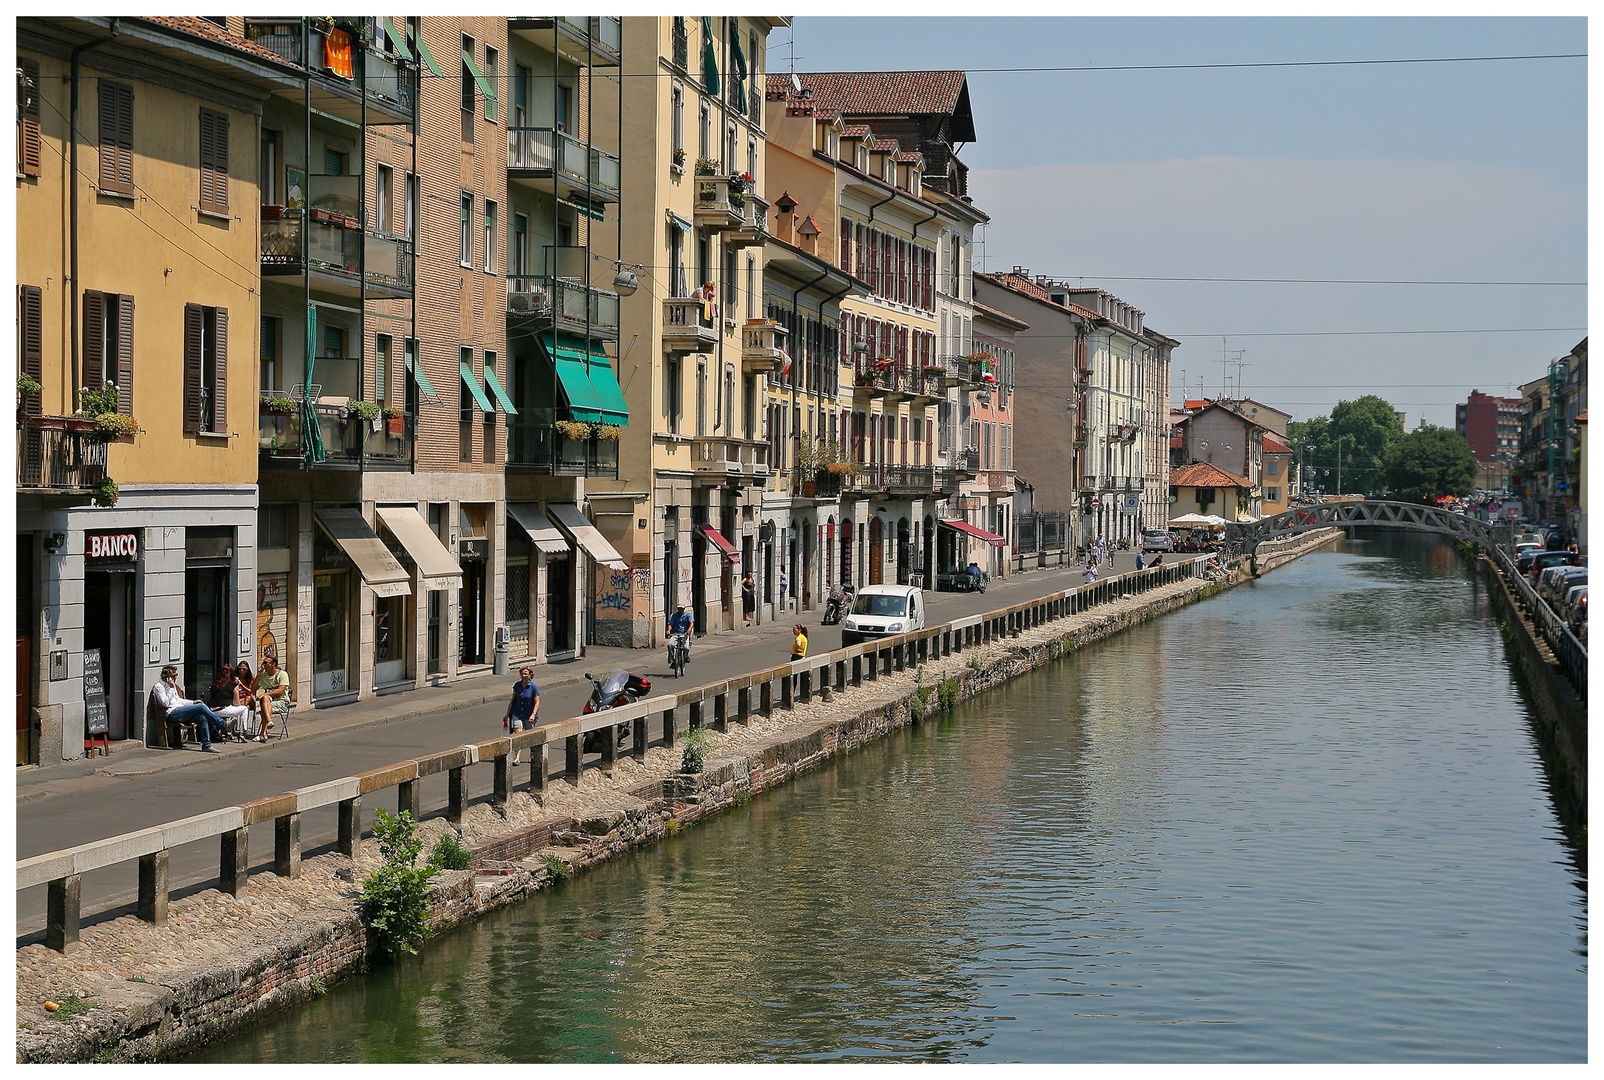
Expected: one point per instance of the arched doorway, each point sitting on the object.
(877, 552)
(845, 576)
(804, 599)
(699, 581)
(904, 556)
(927, 562)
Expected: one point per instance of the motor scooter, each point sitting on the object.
(838, 604)
(618, 689)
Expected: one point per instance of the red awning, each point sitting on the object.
(979, 534)
(717, 540)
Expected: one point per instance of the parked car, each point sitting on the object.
(1544, 559)
(1524, 548)
(1555, 580)
(1576, 615)
(882, 610)
(1568, 600)
(1157, 540)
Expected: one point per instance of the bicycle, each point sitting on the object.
(679, 653)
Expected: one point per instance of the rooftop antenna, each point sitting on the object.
(1239, 366)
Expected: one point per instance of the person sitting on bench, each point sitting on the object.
(183, 710)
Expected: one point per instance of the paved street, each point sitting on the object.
(92, 799)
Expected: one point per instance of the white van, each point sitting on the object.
(881, 610)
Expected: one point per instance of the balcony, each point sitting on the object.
(536, 446)
(905, 479)
(721, 203)
(339, 256)
(961, 369)
(55, 462)
(278, 436)
(967, 462)
(762, 347)
(538, 155)
(685, 328)
(882, 378)
(730, 458)
(682, 46)
(818, 484)
(385, 83)
(754, 230)
(593, 41)
(541, 302)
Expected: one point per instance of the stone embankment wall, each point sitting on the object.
(139, 992)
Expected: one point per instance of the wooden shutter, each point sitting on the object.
(846, 244)
(27, 117)
(94, 339)
(220, 373)
(213, 162)
(125, 355)
(194, 328)
(116, 137)
(32, 343)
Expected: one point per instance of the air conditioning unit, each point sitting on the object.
(531, 302)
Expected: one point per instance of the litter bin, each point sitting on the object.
(503, 650)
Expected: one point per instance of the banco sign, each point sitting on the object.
(111, 545)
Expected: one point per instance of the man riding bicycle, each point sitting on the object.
(680, 625)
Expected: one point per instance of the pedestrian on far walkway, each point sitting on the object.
(784, 581)
(523, 707)
(799, 643)
(748, 597)
(1138, 560)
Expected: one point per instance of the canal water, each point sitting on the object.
(1304, 821)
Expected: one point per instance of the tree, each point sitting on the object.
(1306, 438)
(1366, 428)
(1430, 462)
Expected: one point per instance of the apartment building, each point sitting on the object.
(137, 242)
(1218, 434)
(987, 500)
(685, 507)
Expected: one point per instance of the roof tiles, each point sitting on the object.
(873, 93)
(1202, 474)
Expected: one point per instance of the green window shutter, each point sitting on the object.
(740, 67)
(428, 57)
(478, 76)
(396, 39)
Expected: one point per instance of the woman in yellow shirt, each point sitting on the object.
(799, 647)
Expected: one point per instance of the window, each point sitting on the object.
(28, 141)
(268, 168)
(751, 159)
(268, 353)
(671, 394)
(678, 94)
(383, 184)
(490, 415)
(116, 137)
(730, 143)
(755, 98)
(213, 162)
(1272, 494)
(382, 344)
(704, 145)
(731, 281)
(701, 397)
(564, 113)
(467, 77)
(676, 261)
(490, 237)
(520, 247)
(333, 342)
(205, 369)
(108, 345)
(333, 161)
(273, 526)
(520, 96)
(492, 77)
(465, 408)
(465, 239)
(411, 209)
(751, 287)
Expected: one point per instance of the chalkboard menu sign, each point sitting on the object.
(96, 721)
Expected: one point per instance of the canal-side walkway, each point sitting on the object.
(221, 961)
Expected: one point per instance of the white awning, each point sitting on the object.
(582, 532)
(542, 533)
(439, 569)
(380, 570)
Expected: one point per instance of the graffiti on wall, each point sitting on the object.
(272, 615)
(625, 591)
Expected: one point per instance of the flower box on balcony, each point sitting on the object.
(80, 423)
(272, 212)
(324, 216)
(49, 423)
(395, 425)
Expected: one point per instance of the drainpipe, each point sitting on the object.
(72, 200)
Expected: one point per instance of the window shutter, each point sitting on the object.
(94, 343)
(125, 355)
(846, 244)
(194, 326)
(213, 162)
(32, 342)
(220, 370)
(116, 137)
(27, 117)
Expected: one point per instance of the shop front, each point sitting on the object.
(539, 587)
(348, 555)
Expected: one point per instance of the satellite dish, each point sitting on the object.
(796, 83)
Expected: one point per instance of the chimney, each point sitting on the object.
(807, 235)
(785, 218)
(1021, 272)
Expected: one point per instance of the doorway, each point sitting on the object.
(903, 554)
(877, 552)
(391, 618)
(108, 629)
(471, 627)
(559, 604)
(330, 617)
(205, 627)
(699, 581)
(25, 623)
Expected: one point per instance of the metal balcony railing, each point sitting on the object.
(535, 149)
(55, 459)
(289, 245)
(568, 303)
(682, 47)
(537, 446)
(386, 78)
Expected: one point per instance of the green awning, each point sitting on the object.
(709, 57)
(498, 393)
(428, 57)
(484, 84)
(472, 384)
(614, 409)
(421, 377)
(583, 401)
(398, 40)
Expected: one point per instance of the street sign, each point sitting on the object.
(1132, 504)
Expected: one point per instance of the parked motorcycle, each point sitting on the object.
(838, 604)
(617, 690)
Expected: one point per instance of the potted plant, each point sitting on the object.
(277, 404)
(394, 421)
(361, 411)
(679, 160)
(26, 388)
(92, 404)
(109, 426)
(706, 167)
(609, 432)
(106, 493)
(577, 430)
(272, 212)
(863, 378)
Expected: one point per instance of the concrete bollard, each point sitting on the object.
(743, 704)
(785, 692)
(501, 788)
(721, 718)
(409, 798)
(61, 913)
(805, 684)
(235, 862)
(574, 750)
(857, 670)
(696, 713)
(537, 767)
(637, 738)
(456, 794)
(609, 745)
(670, 727)
(153, 888)
(765, 698)
(287, 846)
(350, 825)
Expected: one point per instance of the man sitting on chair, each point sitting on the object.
(183, 710)
(272, 695)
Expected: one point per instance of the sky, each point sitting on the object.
(1419, 172)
